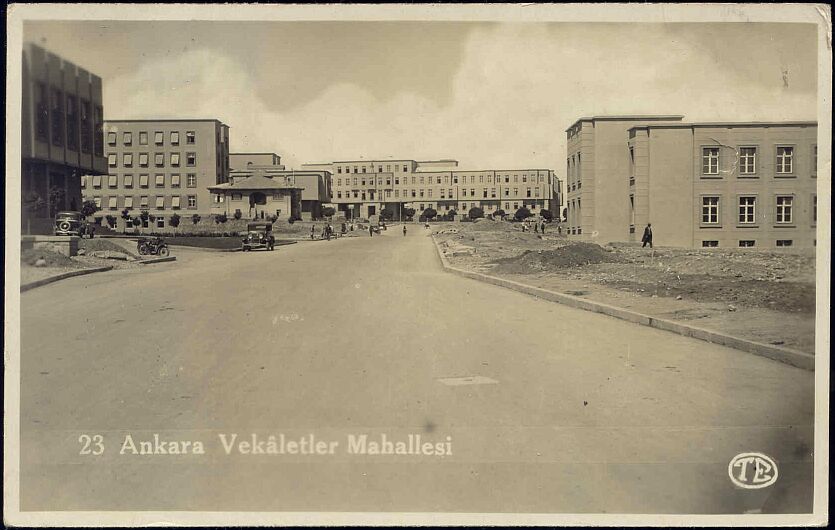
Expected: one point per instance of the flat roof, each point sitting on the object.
(161, 120)
(232, 154)
(727, 124)
(629, 117)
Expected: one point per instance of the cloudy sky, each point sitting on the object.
(492, 95)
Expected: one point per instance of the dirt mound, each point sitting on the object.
(571, 255)
(486, 225)
(29, 256)
(92, 245)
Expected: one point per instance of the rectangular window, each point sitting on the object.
(710, 160)
(191, 180)
(159, 180)
(112, 181)
(143, 181)
(175, 159)
(127, 160)
(236, 196)
(339, 169)
(160, 202)
(175, 180)
(528, 191)
(128, 181)
(42, 112)
(159, 138)
(814, 160)
(396, 194)
(143, 137)
(97, 200)
(98, 130)
(191, 159)
(111, 160)
(190, 137)
(784, 209)
(129, 202)
(143, 159)
(127, 138)
(785, 159)
(159, 159)
(747, 210)
(710, 244)
(160, 222)
(72, 123)
(746, 242)
(111, 138)
(143, 201)
(405, 168)
(710, 210)
(112, 203)
(747, 160)
(175, 138)
(86, 136)
(814, 208)
(175, 202)
(784, 242)
(430, 193)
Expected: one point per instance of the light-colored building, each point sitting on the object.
(242, 160)
(163, 166)
(362, 188)
(746, 184)
(61, 131)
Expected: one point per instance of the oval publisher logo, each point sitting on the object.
(752, 470)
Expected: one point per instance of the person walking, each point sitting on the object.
(370, 230)
(647, 237)
(404, 230)
(542, 227)
(312, 232)
(536, 228)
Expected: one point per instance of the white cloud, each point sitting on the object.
(517, 90)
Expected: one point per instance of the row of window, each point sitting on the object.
(532, 205)
(159, 138)
(437, 180)
(174, 181)
(529, 192)
(747, 209)
(67, 120)
(748, 160)
(747, 243)
(174, 202)
(159, 159)
(370, 169)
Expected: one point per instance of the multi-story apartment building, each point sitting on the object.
(362, 188)
(61, 131)
(698, 184)
(163, 166)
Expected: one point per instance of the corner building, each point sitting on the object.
(362, 188)
(163, 166)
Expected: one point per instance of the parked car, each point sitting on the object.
(72, 224)
(154, 246)
(258, 235)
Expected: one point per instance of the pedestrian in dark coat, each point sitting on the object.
(647, 238)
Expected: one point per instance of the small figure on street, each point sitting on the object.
(404, 230)
(370, 230)
(312, 232)
(559, 230)
(647, 238)
(542, 227)
(536, 227)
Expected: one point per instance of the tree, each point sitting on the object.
(195, 218)
(451, 214)
(56, 196)
(522, 213)
(221, 218)
(328, 211)
(238, 215)
(475, 213)
(111, 220)
(126, 217)
(137, 222)
(387, 214)
(408, 213)
(144, 216)
(89, 207)
(499, 213)
(430, 213)
(174, 220)
(546, 214)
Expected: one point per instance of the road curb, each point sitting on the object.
(63, 276)
(788, 356)
(156, 260)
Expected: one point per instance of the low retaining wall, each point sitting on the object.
(57, 277)
(66, 245)
(783, 355)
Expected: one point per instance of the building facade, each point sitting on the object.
(363, 188)
(698, 184)
(257, 193)
(242, 160)
(163, 166)
(61, 132)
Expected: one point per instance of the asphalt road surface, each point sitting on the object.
(544, 408)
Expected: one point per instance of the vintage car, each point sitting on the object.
(72, 224)
(258, 235)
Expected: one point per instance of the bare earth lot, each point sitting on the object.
(765, 296)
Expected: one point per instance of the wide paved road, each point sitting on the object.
(554, 409)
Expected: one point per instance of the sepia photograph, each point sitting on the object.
(417, 264)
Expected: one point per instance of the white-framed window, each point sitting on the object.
(747, 210)
(159, 159)
(143, 201)
(112, 181)
(175, 159)
(97, 181)
(175, 202)
(747, 160)
(175, 180)
(129, 202)
(175, 138)
(710, 160)
(159, 138)
(710, 244)
(159, 180)
(746, 243)
(191, 159)
(784, 242)
(160, 222)
(143, 137)
(191, 180)
(160, 202)
(111, 160)
(127, 138)
(127, 160)
(143, 159)
(143, 181)
(127, 181)
(190, 137)
(112, 203)
(785, 160)
(784, 209)
(111, 138)
(710, 210)
(192, 201)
